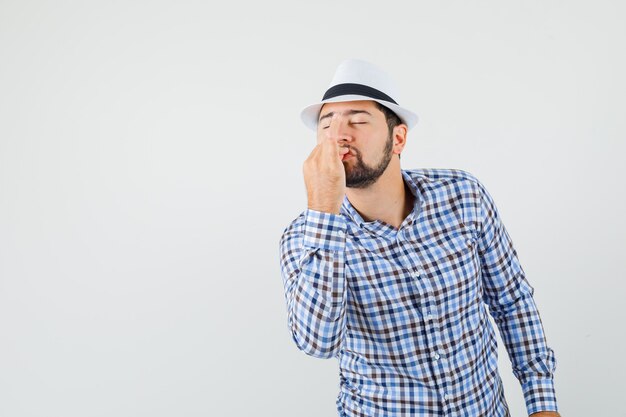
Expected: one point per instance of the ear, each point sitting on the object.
(399, 138)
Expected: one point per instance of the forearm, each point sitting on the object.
(313, 269)
(533, 362)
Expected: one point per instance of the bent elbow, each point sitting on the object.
(323, 348)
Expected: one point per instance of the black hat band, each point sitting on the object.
(358, 89)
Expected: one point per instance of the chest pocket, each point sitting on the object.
(452, 266)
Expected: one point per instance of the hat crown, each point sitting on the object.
(357, 71)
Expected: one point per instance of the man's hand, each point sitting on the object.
(545, 414)
(324, 173)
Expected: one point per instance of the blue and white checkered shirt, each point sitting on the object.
(405, 310)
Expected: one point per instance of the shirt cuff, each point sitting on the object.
(539, 395)
(324, 230)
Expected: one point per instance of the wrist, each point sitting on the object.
(326, 208)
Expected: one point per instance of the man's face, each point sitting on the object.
(363, 129)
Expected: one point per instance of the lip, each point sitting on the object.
(346, 156)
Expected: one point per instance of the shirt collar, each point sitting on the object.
(376, 225)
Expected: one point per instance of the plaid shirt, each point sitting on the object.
(405, 310)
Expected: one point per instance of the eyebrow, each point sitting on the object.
(347, 112)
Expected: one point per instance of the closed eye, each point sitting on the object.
(354, 123)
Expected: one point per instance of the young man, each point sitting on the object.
(394, 271)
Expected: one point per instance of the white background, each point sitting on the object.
(151, 156)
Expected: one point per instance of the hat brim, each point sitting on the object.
(310, 114)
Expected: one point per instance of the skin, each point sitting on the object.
(366, 137)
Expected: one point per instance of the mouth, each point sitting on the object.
(347, 155)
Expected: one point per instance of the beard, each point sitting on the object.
(361, 175)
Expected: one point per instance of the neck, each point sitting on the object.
(388, 199)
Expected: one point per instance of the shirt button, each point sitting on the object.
(436, 356)
(445, 396)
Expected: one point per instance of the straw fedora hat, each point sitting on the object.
(356, 79)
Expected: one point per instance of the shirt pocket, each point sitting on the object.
(452, 266)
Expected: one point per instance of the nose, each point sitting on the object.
(344, 139)
(340, 131)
